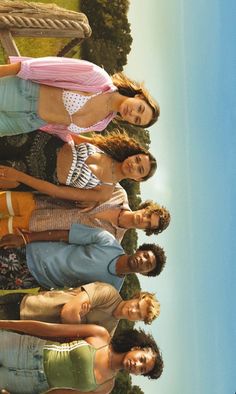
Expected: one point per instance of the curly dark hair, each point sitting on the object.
(130, 88)
(164, 216)
(159, 255)
(130, 338)
(120, 146)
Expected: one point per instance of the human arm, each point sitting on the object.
(78, 235)
(105, 388)
(51, 330)
(74, 74)
(6, 185)
(79, 139)
(97, 194)
(9, 69)
(18, 240)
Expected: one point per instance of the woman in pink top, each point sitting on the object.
(68, 96)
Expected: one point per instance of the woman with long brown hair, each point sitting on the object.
(68, 96)
(83, 172)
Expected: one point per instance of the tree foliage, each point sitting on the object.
(111, 39)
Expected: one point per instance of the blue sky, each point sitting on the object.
(185, 53)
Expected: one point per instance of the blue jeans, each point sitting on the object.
(18, 106)
(21, 363)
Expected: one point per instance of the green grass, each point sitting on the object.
(39, 47)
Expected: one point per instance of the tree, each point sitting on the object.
(111, 39)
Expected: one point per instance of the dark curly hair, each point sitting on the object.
(164, 216)
(130, 88)
(120, 146)
(159, 256)
(130, 338)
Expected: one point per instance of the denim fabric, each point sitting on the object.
(21, 363)
(18, 106)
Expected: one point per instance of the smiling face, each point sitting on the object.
(143, 261)
(136, 110)
(143, 219)
(136, 167)
(139, 361)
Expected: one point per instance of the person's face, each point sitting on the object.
(143, 261)
(143, 219)
(139, 361)
(135, 309)
(135, 110)
(136, 167)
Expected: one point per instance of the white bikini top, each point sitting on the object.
(73, 102)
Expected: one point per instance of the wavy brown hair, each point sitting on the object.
(128, 87)
(164, 216)
(120, 146)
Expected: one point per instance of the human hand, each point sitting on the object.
(86, 206)
(3, 391)
(11, 241)
(6, 185)
(9, 174)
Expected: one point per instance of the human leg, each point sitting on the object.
(15, 211)
(18, 103)
(21, 363)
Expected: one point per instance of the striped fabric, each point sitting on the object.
(50, 215)
(80, 174)
(66, 73)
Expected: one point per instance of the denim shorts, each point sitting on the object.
(21, 363)
(18, 106)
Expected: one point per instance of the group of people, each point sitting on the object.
(63, 215)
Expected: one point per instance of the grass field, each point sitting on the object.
(38, 47)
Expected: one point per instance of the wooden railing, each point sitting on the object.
(24, 19)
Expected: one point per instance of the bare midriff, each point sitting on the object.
(51, 108)
(64, 162)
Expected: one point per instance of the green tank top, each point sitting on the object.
(70, 365)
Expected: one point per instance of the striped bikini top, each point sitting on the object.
(80, 174)
(73, 102)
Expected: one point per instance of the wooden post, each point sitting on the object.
(23, 19)
(8, 43)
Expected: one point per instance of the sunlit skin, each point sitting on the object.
(135, 110)
(142, 261)
(135, 309)
(139, 361)
(142, 219)
(136, 167)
